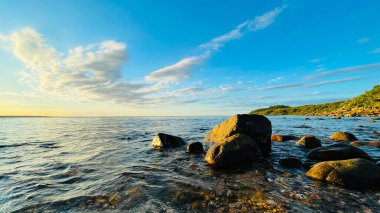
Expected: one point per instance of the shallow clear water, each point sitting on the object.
(108, 164)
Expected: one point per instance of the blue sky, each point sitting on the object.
(183, 58)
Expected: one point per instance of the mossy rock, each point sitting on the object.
(258, 127)
(343, 136)
(234, 151)
(353, 173)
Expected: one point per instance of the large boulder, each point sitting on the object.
(163, 141)
(353, 173)
(258, 127)
(233, 151)
(309, 141)
(343, 136)
(340, 151)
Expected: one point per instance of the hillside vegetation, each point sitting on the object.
(367, 104)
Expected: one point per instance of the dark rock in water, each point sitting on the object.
(196, 147)
(309, 141)
(291, 162)
(343, 136)
(375, 134)
(162, 141)
(281, 138)
(339, 151)
(234, 151)
(307, 119)
(319, 119)
(336, 117)
(303, 127)
(258, 127)
(353, 173)
(378, 163)
(369, 143)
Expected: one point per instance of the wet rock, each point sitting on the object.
(196, 147)
(339, 151)
(307, 119)
(309, 141)
(162, 141)
(303, 127)
(282, 138)
(258, 127)
(370, 143)
(375, 134)
(319, 119)
(236, 150)
(352, 173)
(343, 136)
(378, 163)
(291, 162)
(336, 117)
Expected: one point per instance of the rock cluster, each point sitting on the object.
(242, 138)
(246, 138)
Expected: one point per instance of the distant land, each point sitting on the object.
(367, 104)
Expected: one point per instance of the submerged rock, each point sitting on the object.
(352, 173)
(303, 127)
(290, 162)
(196, 147)
(339, 151)
(370, 143)
(309, 141)
(258, 127)
(162, 141)
(233, 151)
(343, 136)
(281, 138)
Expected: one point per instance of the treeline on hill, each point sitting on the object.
(366, 104)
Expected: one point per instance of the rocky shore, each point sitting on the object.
(246, 139)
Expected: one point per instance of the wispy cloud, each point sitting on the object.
(375, 51)
(309, 85)
(363, 40)
(182, 69)
(361, 68)
(275, 80)
(316, 60)
(176, 72)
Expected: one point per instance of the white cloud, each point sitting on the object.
(361, 68)
(175, 72)
(275, 80)
(310, 85)
(263, 21)
(93, 72)
(375, 51)
(181, 70)
(90, 72)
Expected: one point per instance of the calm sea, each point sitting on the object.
(107, 164)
